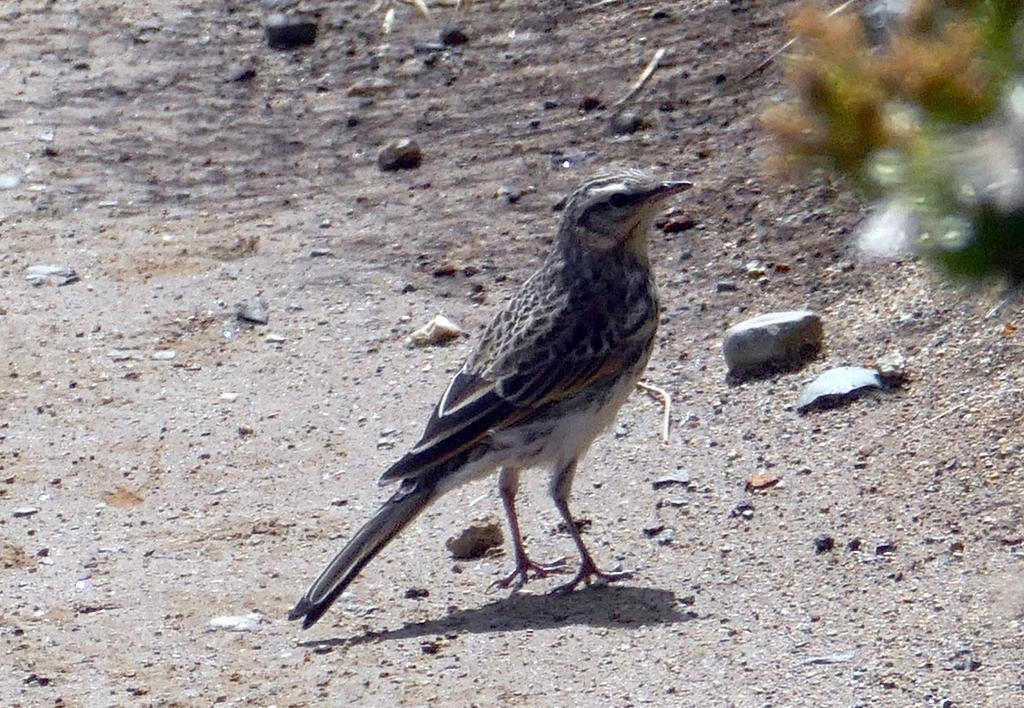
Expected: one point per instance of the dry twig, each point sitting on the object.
(666, 402)
(644, 76)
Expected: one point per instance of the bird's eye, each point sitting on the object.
(620, 200)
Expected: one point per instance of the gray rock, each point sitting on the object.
(892, 367)
(774, 339)
(9, 181)
(837, 386)
(289, 31)
(60, 275)
(237, 623)
(23, 512)
(255, 311)
(404, 154)
(725, 286)
(680, 478)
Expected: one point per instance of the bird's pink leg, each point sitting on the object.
(560, 488)
(525, 569)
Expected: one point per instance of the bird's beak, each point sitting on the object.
(667, 189)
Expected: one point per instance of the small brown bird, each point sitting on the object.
(547, 375)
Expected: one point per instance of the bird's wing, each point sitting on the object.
(498, 391)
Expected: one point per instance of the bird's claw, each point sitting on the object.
(527, 570)
(590, 573)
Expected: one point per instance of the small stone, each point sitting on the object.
(290, 31)
(510, 194)
(892, 367)
(590, 103)
(23, 512)
(402, 154)
(626, 123)
(744, 509)
(321, 253)
(824, 543)
(125, 355)
(475, 540)
(246, 431)
(163, 355)
(453, 35)
(837, 386)
(437, 331)
(237, 623)
(676, 226)
(255, 311)
(660, 13)
(885, 548)
(368, 87)
(244, 74)
(725, 286)
(854, 544)
(416, 593)
(762, 481)
(837, 658)
(59, 275)
(229, 397)
(9, 181)
(754, 270)
(680, 478)
(777, 338)
(273, 338)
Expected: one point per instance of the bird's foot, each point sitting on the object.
(590, 573)
(527, 570)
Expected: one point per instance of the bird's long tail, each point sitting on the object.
(405, 505)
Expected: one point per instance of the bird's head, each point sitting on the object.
(615, 209)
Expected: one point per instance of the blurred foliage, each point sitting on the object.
(930, 116)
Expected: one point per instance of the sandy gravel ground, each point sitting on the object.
(142, 496)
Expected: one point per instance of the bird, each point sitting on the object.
(546, 376)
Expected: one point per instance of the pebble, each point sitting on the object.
(680, 478)
(837, 658)
(416, 593)
(837, 386)
(437, 331)
(273, 338)
(229, 397)
(481, 535)
(626, 123)
(23, 512)
(367, 87)
(402, 154)
(289, 31)
(321, 253)
(244, 74)
(59, 275)
(237, 623)
(824, 543)
(9, 181)
(892, 367)
(725, 286)
(885, 547)
(125, 355)
(254, 310)
(744, 509)
(776, 338)
(163, 355)
(453, 35)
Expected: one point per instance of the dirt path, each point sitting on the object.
(141, 496)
